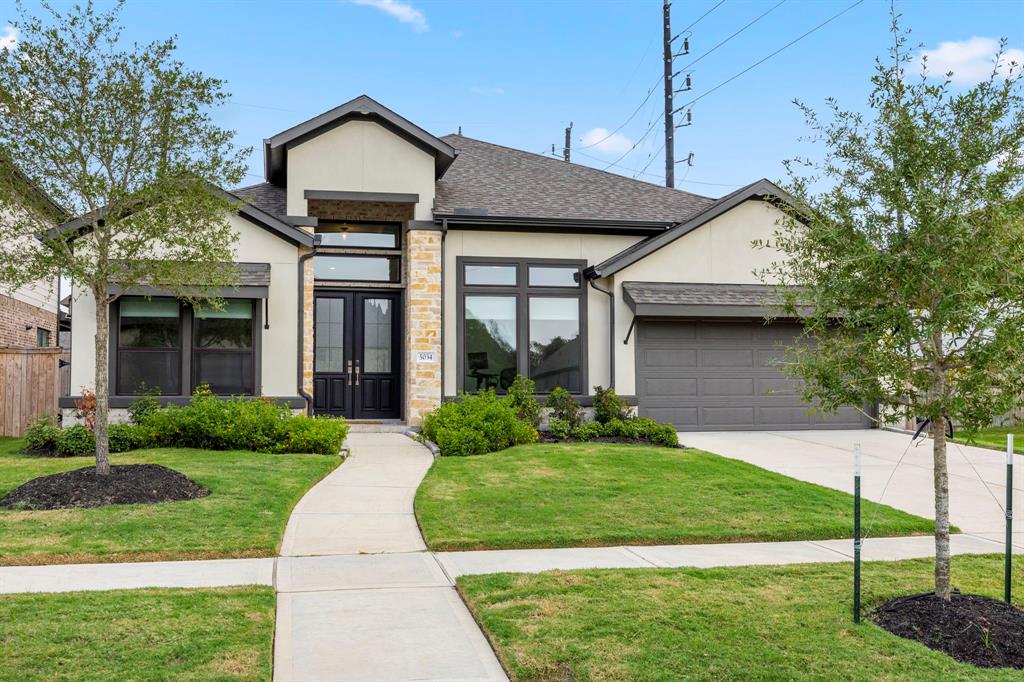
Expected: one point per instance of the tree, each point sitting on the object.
(120, 135)
(906, 249)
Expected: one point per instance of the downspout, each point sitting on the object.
(444, 235)
(611, 331)
(302, 318)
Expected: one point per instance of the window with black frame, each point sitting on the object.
(522, 317)
(148, 345)
(222, 348)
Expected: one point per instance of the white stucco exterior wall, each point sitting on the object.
(279, 343)
(718, 252)
(495, 244)
(360, 156)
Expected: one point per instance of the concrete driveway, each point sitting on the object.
(826, 458)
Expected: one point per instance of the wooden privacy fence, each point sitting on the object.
(29, 384)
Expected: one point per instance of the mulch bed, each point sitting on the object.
(970, 628)
(83, 488)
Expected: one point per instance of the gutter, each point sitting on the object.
(301, 322)
(611, 331)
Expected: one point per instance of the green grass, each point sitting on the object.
(564, 495)
(995, 437)
(758, 623)
(209, 634)
(251, 496)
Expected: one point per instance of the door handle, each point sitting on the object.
(350, 371)
(357, 374)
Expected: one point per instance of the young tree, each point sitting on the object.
(907, 248)
(121, 136)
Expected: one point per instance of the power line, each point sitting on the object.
(764, 59)
(653, 87)
(751, 23)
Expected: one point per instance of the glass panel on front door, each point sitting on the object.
(377, 335)
(330, 335)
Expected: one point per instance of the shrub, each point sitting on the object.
(520, 396)
(656, 432)
(76, 440)
(563, 406)
(559, 428)
(316, 435)
(609, 406)
(587, 431)
(475, 425)
(622, 428)
(85, 408)
(142, 407)
(125, 437)
(42, 436)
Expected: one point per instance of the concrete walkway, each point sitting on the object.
(358, 597)
(826, 458)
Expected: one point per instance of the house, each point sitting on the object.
(385, 269)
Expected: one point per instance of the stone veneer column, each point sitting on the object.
(307, 324)
(422, 323)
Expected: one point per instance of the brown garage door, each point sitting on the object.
(724, 375)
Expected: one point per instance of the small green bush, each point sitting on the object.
(476, 424)
(622, 428)
(125, 437)
(316, 435)
(77, 440)
(656, 432)
(587, 431)
(42, 437)
(142, 407)
(559, 428)
(520, 396)
(563, 406)
(609, 406)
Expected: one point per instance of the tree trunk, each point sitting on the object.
(102, 380)
(942, 561)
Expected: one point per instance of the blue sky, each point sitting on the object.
(516, 73)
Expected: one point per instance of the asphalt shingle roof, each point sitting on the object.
(703, 294)
(510, 182)
(266, 197)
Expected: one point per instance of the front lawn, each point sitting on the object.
(778, 623)
(595, 494)
(995, 437)
(251, 497)
(208, 634)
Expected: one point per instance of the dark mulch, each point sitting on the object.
(970, 628)
(83, 488)
(546, 437)
(43, 453)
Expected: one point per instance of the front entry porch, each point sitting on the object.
(357, 354)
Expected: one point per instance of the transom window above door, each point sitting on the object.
(521, 316)
(359, 235)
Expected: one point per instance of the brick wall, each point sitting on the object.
(385, 211)
(19, 321)
(423, 323)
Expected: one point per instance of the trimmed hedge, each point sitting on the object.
(477, 424)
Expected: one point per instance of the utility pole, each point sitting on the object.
(670, 128)
(568, 142)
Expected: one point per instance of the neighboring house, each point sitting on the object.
(386, 269)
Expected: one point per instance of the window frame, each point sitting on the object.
(522, 292)
(251, 351)
(355, 223)
(386, 254)
(185, 349)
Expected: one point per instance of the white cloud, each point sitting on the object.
(970, 60)
(487, 90)
(403, 11)
(601, 140)
(9, 38)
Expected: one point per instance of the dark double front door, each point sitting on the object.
(356, 358)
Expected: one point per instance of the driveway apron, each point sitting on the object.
(359, 598)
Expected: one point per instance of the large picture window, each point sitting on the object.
(167, 346)
(222, 348)
(522, 317)
(149, 346)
